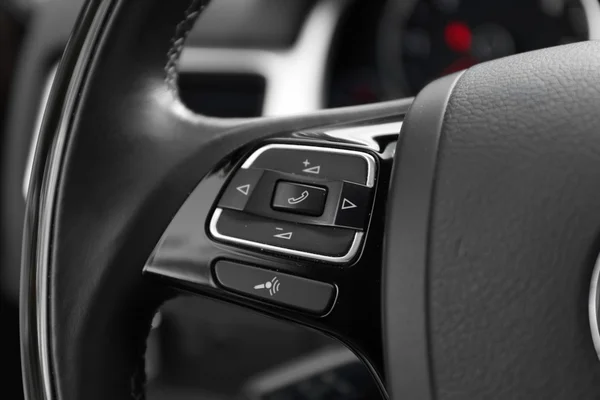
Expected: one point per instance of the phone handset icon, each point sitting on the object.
(299, 199)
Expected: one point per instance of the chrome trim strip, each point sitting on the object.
(39, 221)
(593, 304)
(37, 127)
(368, 158)
(342, 259)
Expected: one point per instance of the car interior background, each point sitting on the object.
(255, 58)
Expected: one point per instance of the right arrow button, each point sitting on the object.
(347, 204)
(354, 206)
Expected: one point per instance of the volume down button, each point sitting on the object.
(317, 242)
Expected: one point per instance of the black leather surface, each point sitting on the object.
(123, 141)
(132, 155)
(259, 23)
(514, 230)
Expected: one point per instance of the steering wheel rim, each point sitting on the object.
(120, 158)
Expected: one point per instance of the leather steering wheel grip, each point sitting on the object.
(115, 85)
(118, 155)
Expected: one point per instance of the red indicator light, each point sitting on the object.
(458, 37)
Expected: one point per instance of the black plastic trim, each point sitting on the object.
(404, 297)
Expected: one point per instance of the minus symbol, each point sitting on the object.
(279, 229)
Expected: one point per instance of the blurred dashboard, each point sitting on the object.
(390, 49)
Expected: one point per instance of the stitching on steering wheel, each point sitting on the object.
(138, 378)
(181, 32)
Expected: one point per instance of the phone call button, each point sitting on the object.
(299, 198)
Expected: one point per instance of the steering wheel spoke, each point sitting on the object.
(314, 259)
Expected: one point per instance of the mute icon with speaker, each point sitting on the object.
(272, 286)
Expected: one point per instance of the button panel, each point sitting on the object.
(323, 243)
(275, 287)
(299, 200)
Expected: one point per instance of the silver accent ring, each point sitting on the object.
(370, 182)
(593, 307)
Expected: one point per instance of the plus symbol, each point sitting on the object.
(306, 163)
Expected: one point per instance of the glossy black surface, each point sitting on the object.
(354, 206)
(297, 198)
(240, 188)
(342, 204)
(260, 201)
(186, 252)
(275, 287)
(249, 230)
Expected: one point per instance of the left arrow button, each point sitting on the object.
(240, 189)
(244, 189)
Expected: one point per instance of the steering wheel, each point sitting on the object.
(454, 256)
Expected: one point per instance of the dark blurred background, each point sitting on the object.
(13, 22)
